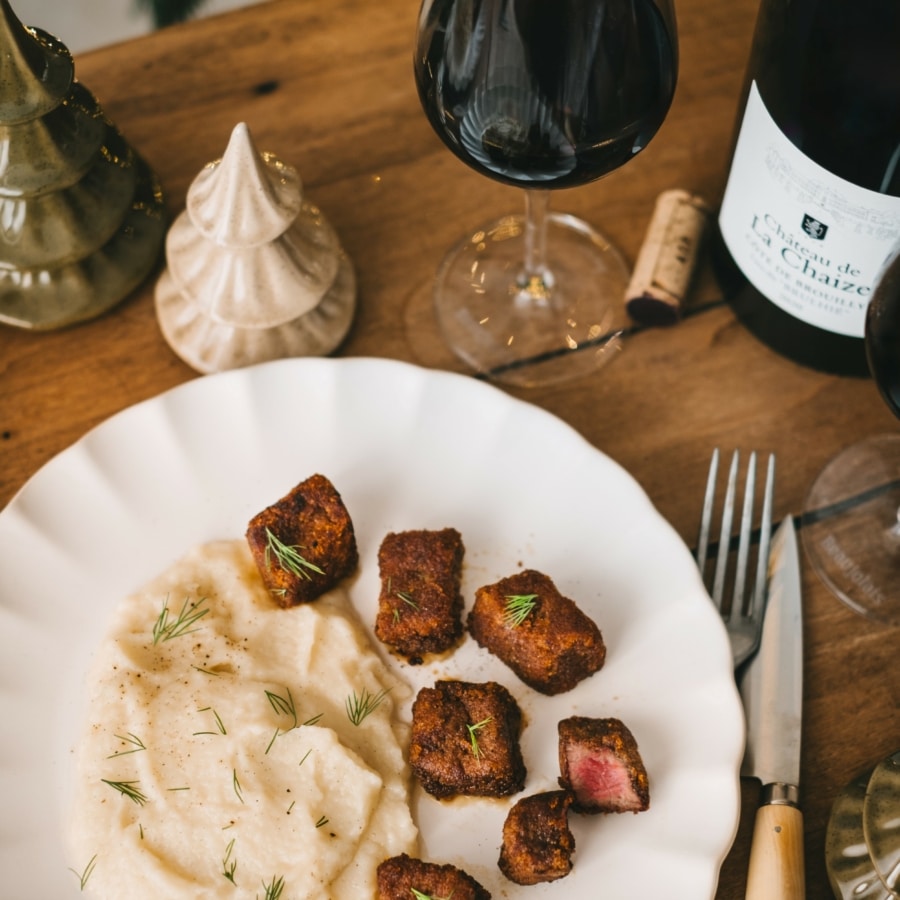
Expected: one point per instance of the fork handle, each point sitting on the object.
(776, 855)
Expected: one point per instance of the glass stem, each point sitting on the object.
(535, 276)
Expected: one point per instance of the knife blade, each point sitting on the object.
(772, 690)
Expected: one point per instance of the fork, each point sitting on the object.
(743, 615)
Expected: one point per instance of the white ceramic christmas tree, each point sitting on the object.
(254, 272)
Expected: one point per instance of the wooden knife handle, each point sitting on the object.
(776, 855)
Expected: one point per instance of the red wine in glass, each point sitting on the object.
(540, 94)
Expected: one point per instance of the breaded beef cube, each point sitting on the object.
(304, 544)
(403, 877)
(540, 634)
(465, 740)
(600, 763)
(420, 604)
(537, 843)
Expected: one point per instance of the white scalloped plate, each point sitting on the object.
(407, 448)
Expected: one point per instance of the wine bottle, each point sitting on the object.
(811, 209)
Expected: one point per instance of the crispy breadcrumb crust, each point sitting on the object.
(420, 604)
(313, 521)
(465, 740)
(398, 876)
(537, 842)
(553, 648)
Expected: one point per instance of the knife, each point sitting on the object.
(772, 691)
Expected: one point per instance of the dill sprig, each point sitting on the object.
(236, 784)
(283, 705)
(206, 671)
(359, 706)
(421, 896)
(229, 865)
(289, 558)
(88, 869)
(130, 738)
(406, 598)
(473, 735)
(127, 789)
(219, 723)
(164, 629)
(323, 820)
(518, 607)
(274, 890)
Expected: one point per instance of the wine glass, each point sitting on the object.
(540, 94)
(851, 523)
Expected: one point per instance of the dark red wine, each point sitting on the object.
(883, 335)
(545, 93)
(811, 210)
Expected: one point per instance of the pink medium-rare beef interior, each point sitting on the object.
(600, 763)
(600, 779)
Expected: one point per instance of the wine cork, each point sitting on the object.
(667, 258)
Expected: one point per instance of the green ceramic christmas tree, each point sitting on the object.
(81, 215)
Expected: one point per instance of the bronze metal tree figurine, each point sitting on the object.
(82, 218)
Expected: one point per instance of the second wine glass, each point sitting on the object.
(851, 521)
(540, 94)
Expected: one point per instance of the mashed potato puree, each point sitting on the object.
(220, 760)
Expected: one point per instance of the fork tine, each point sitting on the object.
(765, 537)
(725, 533)
(743, 616)
(706, 516)
(743, 554)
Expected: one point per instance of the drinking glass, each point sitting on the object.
(851, 523)
(541, 95)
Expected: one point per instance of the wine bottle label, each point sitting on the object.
(809, 241)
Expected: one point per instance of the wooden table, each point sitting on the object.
(328, 87)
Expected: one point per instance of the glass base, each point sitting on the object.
(851, 529)
(862, 842)
(559, 325)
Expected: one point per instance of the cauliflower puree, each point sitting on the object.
(219, 759)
